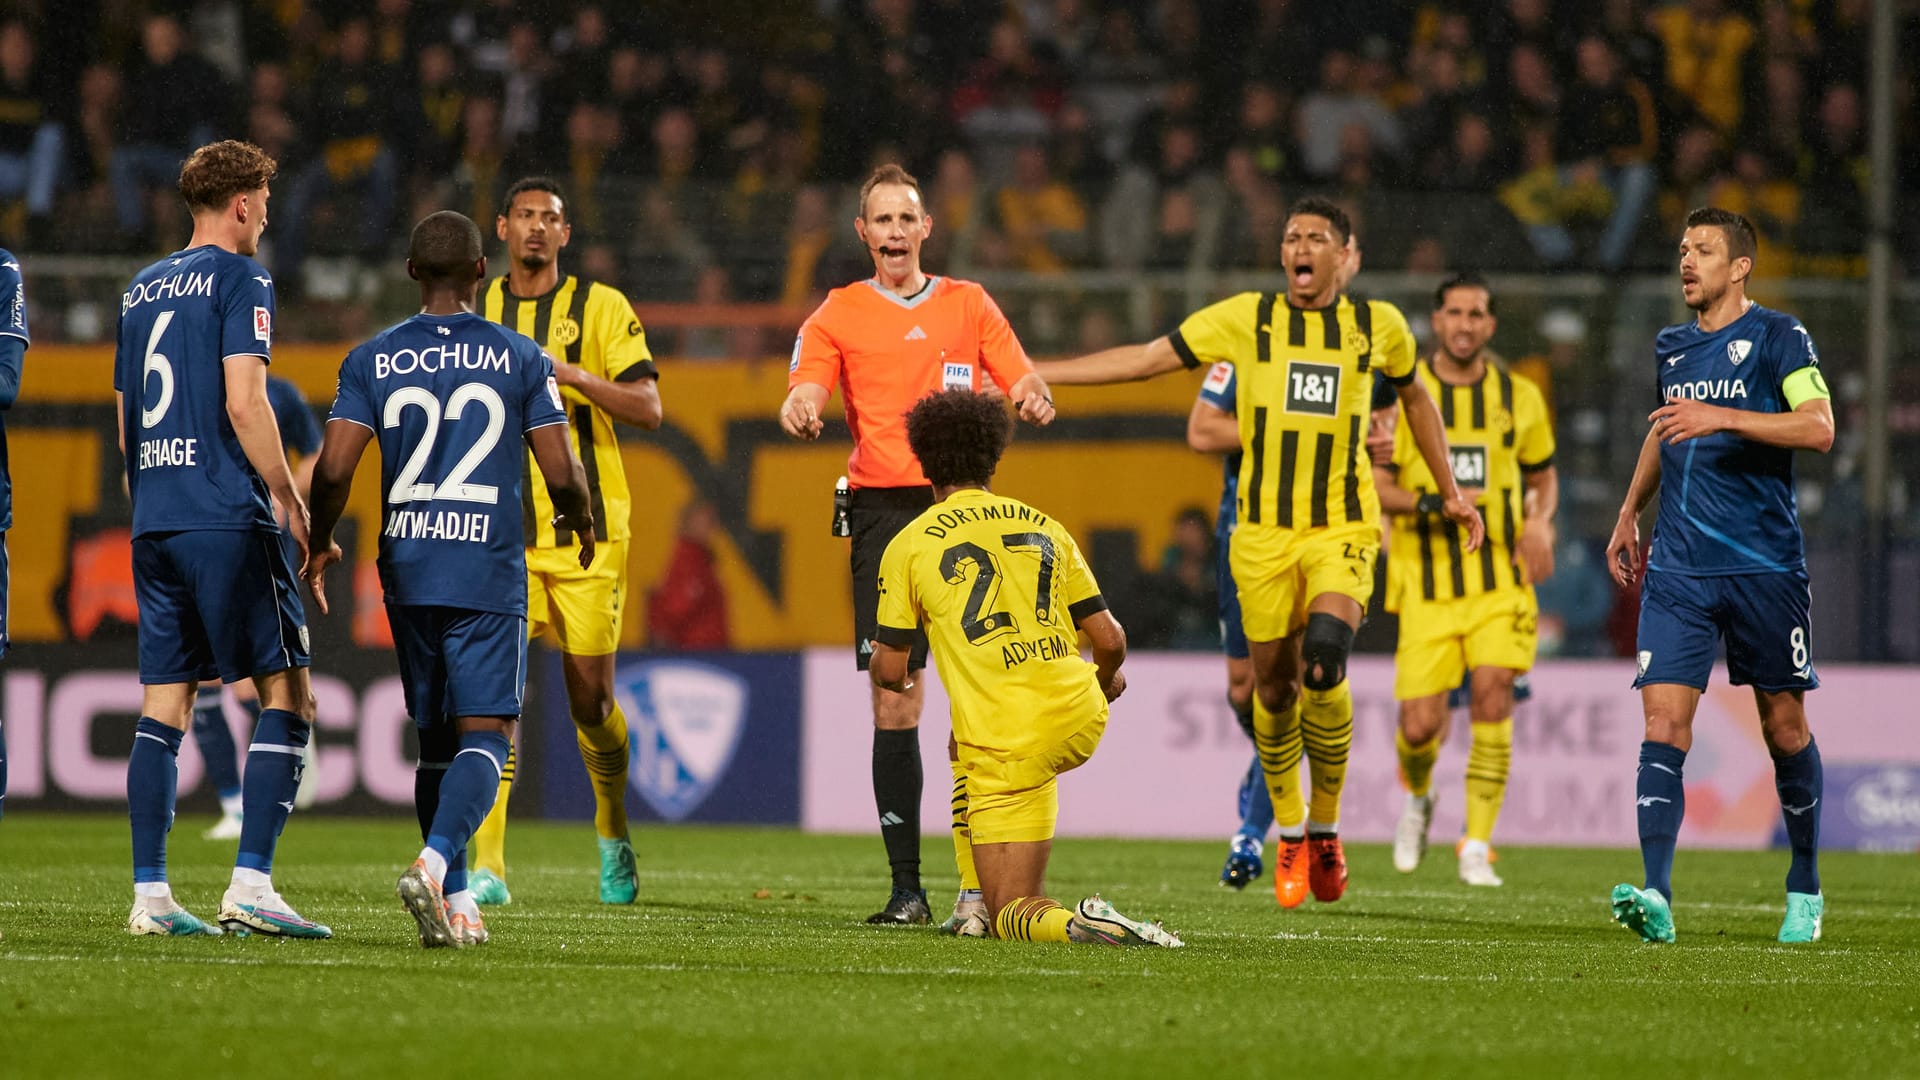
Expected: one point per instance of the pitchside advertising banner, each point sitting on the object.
(785, 739)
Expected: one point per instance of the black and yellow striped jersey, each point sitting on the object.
(1497, 431)
(1305, 391)
(592, 325)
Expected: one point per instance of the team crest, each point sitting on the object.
(1502, 421)
(566, 331)
(687, 719)
(1358, 342)
(1738, 350)
(1646, 658)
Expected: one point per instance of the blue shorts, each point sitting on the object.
(1765, 620)
(216, 604)
(459, 662)
(1233, 636)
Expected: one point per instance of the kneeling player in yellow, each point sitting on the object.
(1461, 615)
(1000, 588)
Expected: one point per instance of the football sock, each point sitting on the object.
(1277, 741)
(1326, 726)
(438, 744)
(489, 849)
(1798, 778)
(274, 761)
(1661, 801)
(1033, 918)
(467, 791)
(3, 770)
(1488, 759)
(897, 781)
(215, 740)
(152, 773)
(603, 748)
(1243, 712)
(1416, 763)
(962, 834)
(1256, 802)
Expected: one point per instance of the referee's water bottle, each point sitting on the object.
(842, 506)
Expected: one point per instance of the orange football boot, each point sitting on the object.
(1290, 873)
(1327, 867)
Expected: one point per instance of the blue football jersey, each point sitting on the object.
(451, 398)
(13, 324)
(1727, 503)
(1218, 390)
(299, 431)
(180, 320)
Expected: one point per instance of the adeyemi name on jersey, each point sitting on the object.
(1708, 389)
(1015, 653)
(460, 355)
(438, 525)
(166, 288)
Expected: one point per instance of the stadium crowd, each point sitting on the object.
(708, 148)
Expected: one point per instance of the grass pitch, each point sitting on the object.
(745, 957)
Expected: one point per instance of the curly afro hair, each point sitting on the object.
(958, 436)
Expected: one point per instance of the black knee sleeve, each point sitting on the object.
(1324, 650)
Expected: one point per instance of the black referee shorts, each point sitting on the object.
(875, 516)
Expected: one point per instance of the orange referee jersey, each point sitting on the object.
(886, 352)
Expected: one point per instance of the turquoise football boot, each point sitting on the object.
(1643, 911)
(619, 874)
(1803, 917)
(488, 888)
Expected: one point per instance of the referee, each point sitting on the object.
(887, 342)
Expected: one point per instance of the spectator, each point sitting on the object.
(687, 610)
(96, 124)
(432, 112)
(956, 205)
(525, 99)
(479, 179)
(1624, 24)
(1008, 99)
(270, 123)
(1771, 201)
(1045, 222)
(352, 125)
(585, 52)
(1690, 170)
(1706, 47)
(395, 29)
(1182, 600)
(1608, 126)
(1264, 132)
(174, 100)
(639, 85)
(1075, 151)
(1470, 163)
(1257, 211)
(1832, 228)
(33, 144)
(1547, 200)
(1119, 78)
(810, 233)
(1532, 91)
(1342, 100)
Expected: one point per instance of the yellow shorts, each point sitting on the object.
(1440, 641)
(582, 608)
(1279, 571)
(1018, 801)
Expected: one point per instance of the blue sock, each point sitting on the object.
(274, 763)
(3, 770)
(437, 748)
(215, 740)
(1662, 802)
(152, 775)
(1256, 803)
(1798, 778)
(467, 792)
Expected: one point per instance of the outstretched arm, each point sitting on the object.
(800, 413)
(1127, 363)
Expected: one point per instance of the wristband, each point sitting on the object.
(1430, 503)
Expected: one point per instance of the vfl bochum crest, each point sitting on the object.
(685, 719)
(1738, 350)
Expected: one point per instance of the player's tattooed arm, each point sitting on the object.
(1109, 641)
(333, 468)
(1127, 363)
(1623, 550)
(566, 483)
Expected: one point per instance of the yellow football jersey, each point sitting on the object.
(592, 325)
(1497, 431)
(1305, 386)
(1000, 588)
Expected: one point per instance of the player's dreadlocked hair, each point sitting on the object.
(215, 173)
(958, 436)
(445, 246)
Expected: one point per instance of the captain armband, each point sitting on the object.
(1804, 385)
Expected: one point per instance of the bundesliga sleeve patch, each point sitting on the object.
(553, 392)
(263, 325)
(1218, 377)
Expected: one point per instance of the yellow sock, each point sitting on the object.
(1277, 738)
(1326, 727)
(962, 835)
(1033, 918)
(488, 848)
(1416, 763)
(604, 750)
(1487, 762)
